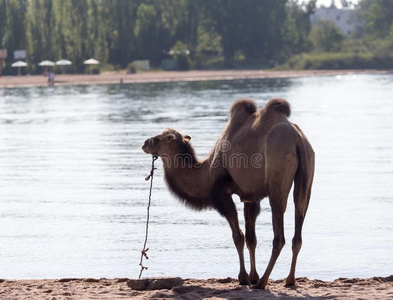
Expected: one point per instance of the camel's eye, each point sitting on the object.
(156, 140)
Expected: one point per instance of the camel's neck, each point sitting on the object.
(189, 179)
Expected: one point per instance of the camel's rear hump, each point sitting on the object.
(277, 105)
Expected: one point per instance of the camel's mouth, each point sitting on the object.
(147, 146)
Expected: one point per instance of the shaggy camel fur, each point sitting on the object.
(259, 154)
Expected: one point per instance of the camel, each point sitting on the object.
(259, 154)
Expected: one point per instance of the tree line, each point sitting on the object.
(117, 32)
(197, 33)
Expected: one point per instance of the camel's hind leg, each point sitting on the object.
(278, 205)
(301, 198)
(279, 177)
(296, 244)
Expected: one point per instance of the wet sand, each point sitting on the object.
(343, 288)
(162, 76)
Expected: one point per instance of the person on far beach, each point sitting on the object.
(51, 78)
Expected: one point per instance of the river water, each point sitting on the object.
(73, 196)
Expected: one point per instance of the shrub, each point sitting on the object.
(181, 54)
(132, 68)
(326, 36)
(338, 60)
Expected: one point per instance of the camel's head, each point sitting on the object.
(169, 143)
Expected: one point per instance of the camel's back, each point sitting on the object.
(243, 143)
(246, 123)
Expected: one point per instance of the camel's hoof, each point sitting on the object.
(244, 282)
(258, 287)
(244, 279)
(262, 283)
(290, 284)
(254, 279)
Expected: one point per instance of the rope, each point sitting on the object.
(143, 252)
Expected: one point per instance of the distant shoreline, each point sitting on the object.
(228, 288)
(170, 76)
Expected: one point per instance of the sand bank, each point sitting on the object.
(343, 288)
(152, 76)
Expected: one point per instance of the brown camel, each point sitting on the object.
(259, 154)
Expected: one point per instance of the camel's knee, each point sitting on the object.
(278, 243)
(238, 238)
(251, 240)
(296, 244)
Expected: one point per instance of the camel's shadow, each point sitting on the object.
(193, 292)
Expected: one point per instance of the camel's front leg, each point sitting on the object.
(227, 208)
(251, 212)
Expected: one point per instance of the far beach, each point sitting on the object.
(169, 76)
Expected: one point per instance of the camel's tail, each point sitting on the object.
(305, 171)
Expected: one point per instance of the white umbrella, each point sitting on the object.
(63, 62)
(46, 64)
(90, 62)
(18, 65)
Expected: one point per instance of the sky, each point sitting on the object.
(328, 2)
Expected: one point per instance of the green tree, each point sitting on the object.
(14, 28)
(3, 19)
(40, 32)
(378, 15)
(326, 36)
(146, 31)
(252, 27)
(297, 28)
(116, 27)
(263, 24)
(72, 31)
(225, 17)
(190, 28)
(159, 25)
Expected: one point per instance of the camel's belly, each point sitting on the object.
(249, 184)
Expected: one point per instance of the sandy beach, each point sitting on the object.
(343, 288)
(162, 76)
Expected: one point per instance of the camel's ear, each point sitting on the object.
(187, 138)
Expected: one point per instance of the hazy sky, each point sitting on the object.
(328, 2)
